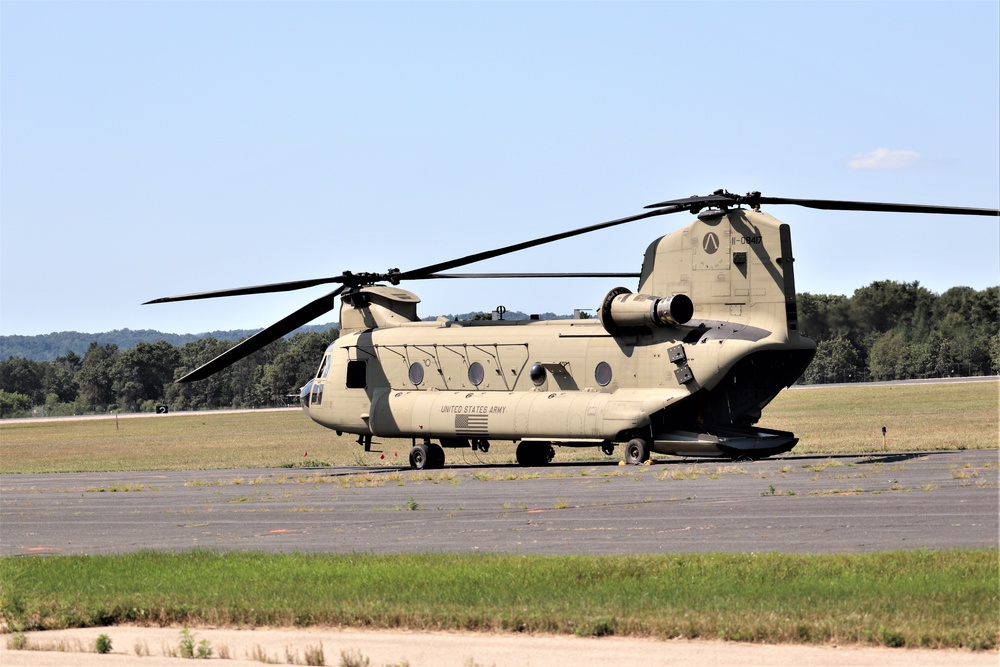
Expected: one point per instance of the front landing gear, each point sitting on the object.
(534, 453)
(426, 455)
(636, 452)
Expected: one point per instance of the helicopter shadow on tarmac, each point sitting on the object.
(858, 458)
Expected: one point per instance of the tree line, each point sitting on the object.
(885, 331)
(901, 331)
(141, 378)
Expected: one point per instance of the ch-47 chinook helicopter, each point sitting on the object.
(682, 366)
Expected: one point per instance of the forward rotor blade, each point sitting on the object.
(838, 205)
(395, 277)
(303, 315)
(619, 274)
(253, 289)
(425, 271)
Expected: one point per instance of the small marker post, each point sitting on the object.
(884, 445)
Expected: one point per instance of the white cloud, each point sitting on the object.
(884, 158)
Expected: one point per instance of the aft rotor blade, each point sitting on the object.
(425, 271)
(253, 289)
(698, 202)
(838, 205)
(303, 315)
(722, 198)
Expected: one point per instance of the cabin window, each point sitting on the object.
(416, 373)
(476, 373)
(357, 374)
(603, 373)
(325, 368)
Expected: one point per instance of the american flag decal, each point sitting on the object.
(472, 424)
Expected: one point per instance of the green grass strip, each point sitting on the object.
(912, 598)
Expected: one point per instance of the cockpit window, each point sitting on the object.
(324, 367)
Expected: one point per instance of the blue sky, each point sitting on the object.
(150, 149)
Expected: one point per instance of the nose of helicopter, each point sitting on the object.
(304, 396)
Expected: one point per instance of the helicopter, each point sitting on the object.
(682, 366)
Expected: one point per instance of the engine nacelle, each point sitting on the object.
(623, 312)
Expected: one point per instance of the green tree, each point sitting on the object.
(995, 353)
(894, 357)
(837, 360)
(139, 374)
(823, 316)
(13, 404)
(293, 365)
(25, 377)
(886, 304)
(60, 378)
(214, 391)
(95, 378)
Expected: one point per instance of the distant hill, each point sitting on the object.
(46, 347)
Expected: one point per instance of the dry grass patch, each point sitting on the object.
(832, 420)
(849, 420)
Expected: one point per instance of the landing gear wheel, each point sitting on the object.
(608, 449)
(636, 452)
(420, 457)
(436, 455)
(534, 453)
(524, 454)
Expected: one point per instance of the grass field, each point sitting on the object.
(928, 599)
(826, 419)
(916, 599)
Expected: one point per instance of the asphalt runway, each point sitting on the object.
(791, 504)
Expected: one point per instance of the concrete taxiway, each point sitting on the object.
(792, 504)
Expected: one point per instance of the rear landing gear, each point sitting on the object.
(534, 453)
(636, 452)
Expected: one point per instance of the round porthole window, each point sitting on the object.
(537, 374)
(603, 373)
(476, 373)
(416, 373)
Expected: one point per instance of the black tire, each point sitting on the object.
(419, 457)
(636, 452)
(527, 453)
(436, 455)
(534, 453)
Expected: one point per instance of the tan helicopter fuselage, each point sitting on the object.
(685, 364)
